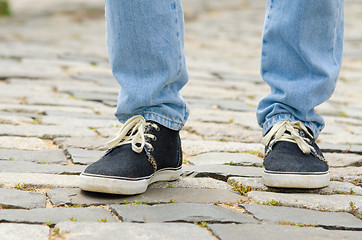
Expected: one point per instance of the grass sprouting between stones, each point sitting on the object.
(295, 224)
(102, 220)
(24, 187)
(352, 206)
(202, 224)
(271, 202)
(243, 190)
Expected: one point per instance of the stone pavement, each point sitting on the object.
(57, 98)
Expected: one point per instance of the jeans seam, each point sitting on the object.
(267, 23)
(335, 32)
(179, 65)
(277, 115)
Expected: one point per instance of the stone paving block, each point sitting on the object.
(246, 119)
(179, 212)
(25, 143)
(38, 180)
(222, 158)
(16, 231)
(88, 89)
(276, 214)
(104, 79)
(60, 99)
(79, 121)
(92, 143)
(222, 172)
(341, 148)
(11, 90)
(343, 159)
(95, 96)
(40, 156)
(351, 173)
(62, 196)
(277, 232)
(107, 131)
(84, 156)
(29, 71)
(341, 137)
(196, 147)
(55, 215)
(255, 183)
(333, 203)
(41, 109)
(12, 198)
(135, 231)
(228, 105)
(334, 187)
(224, 132)
(195, 183)
(30, 167)
(15, 120)
(26, 117)
(73, 114)
(112, 103)
(45, 131)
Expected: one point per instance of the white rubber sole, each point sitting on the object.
(115, 185)
(290, 180)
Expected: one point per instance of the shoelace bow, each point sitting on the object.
(288, 131)
(133, 132)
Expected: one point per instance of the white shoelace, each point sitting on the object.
(288, 131)
(133, 132)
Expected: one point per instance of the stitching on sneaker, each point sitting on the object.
(152, 160)
(179, 155)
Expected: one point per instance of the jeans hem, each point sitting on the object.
(164, 121)
(288, 117)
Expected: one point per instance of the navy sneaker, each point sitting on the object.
(144, 152)
(292, 158)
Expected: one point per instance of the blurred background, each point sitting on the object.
(54, 69)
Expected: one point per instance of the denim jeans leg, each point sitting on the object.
(145, 41)
(301, 59)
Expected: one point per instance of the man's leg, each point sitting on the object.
(301, 60)
(146, 51)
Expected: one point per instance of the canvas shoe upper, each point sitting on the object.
(292, 158)
(143, 152)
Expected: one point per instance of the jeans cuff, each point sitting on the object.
(166, 122)
(287, 117)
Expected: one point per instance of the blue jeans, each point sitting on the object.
(301, 59)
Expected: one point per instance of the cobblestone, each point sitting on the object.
(276, 214)
(179, 212)
(29, 167)
(11, 198)
(55, 215)
(41, 156)
(276, 232)
(38, 180)
(83, 156)
(334, 187)
(136, 231)
(15, 231)
(63, 196)
(222, 172)
(238, 159)
(332, 203)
